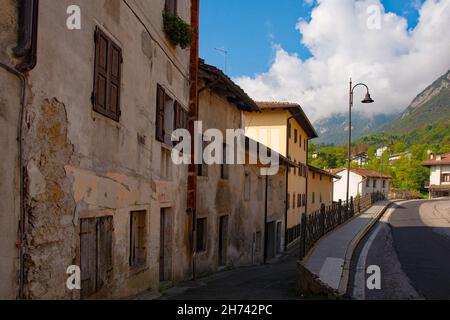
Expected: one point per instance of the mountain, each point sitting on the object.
(431, 108)
(333, 130)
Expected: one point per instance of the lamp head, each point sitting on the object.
(368, 99)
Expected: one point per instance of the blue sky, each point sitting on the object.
(247, 29)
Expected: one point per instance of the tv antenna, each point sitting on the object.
(225, 54)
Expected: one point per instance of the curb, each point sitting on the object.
(343, 284)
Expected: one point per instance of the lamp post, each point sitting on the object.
(367, 99)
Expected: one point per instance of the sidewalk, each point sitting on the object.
(332, 254)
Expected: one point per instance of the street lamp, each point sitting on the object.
(367, 99)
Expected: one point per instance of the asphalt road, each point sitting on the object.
(411, 245)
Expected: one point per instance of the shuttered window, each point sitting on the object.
(171, 6)
(138, 247)
(107, 76)
(160, 101)
(95, 253)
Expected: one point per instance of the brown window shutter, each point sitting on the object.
(115, 71)
(160, 96)
(104, 253)
(88, 256)
(107, 76)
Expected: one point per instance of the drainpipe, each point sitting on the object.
(266, 202)
(193, 116)
(27, 50)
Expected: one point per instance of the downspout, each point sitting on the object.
(266, 202)
(193, 116)
(287, 188)
(26, 49)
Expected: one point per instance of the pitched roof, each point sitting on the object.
(367, 173)
(325, 172)
(297, 112)
(218, 81)
(445, 159)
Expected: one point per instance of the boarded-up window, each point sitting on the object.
(107, 76)
(201, 234)
(95, 253)
(138, 246)
(171, 6)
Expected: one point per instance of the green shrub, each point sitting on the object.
(178, 31)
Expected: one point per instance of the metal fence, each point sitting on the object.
(317, 224)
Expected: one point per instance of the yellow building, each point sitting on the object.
(285, 128)
(320, 188)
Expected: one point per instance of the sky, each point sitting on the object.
(306, 51)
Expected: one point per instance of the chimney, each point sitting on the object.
(431, 156)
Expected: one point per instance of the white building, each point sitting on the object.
(380, 151)
(439, 175)
(362, 159)
(362, 182)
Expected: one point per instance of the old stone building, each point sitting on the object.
(240, 212)
(289, 132)
(97, 189)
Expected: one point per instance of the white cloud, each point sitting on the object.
(396, 63)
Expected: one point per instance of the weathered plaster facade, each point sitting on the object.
(241, 197)
(80, 164)
(320, 189)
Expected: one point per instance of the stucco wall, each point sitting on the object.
(10, 92)
(319, 186)
(82, 164)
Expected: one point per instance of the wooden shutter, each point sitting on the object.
(160, 97)
(104, 253)
(88, 256)
(107, 76)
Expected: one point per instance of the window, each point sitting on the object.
(201, 234)
(171, 6)
(107, 76)
(293, 201)
(367, 183)
(247, 187)
(138, 248)
(313, 200)
(95, 253)
(304, 199)
(384, 184)
(224, 168)
(170, 115)
(288, 201)
(166, 164)
(445, 177)
(299, 200)
(295, 136)
(300, 139)
(289, 128)
(314, 175)
(331, 179)
(374, 183)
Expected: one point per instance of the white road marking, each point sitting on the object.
(359, 288)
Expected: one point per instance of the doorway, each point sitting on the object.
(223, 240)
(270, 238)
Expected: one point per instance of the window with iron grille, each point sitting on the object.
(107, 76)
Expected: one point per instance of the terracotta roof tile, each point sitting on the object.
(433, 162)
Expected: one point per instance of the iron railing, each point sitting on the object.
(317, 224)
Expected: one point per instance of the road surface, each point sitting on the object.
(411, 245)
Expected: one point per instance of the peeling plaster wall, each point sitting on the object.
(217, 197)
(82, 164)
(10, 91)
